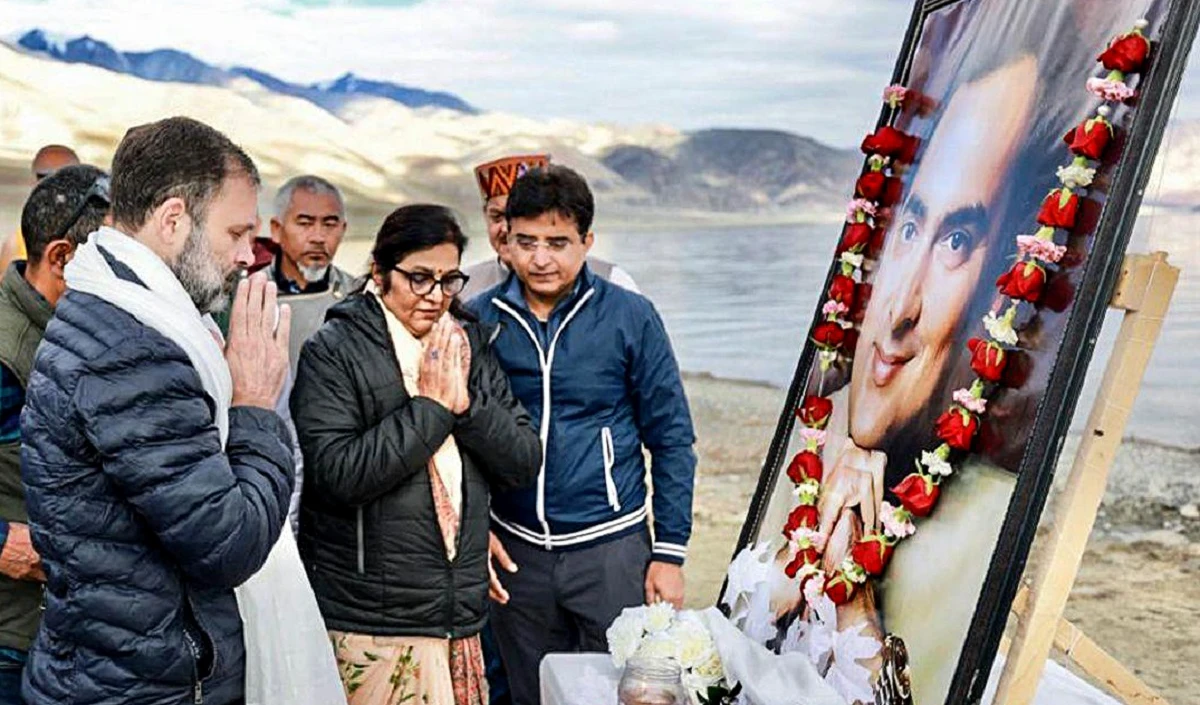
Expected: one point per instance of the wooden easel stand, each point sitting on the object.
(1144, 294)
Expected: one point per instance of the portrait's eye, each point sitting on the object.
(420, 279)
(908, 232)
(955, 248)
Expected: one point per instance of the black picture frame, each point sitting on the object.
(1138, 147)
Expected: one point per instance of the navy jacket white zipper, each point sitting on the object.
(546, 362)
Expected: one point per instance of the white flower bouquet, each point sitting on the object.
(658, 631)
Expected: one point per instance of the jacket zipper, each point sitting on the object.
(190, 639)
(449, 611)
(198, 688)
(546, 362)
(362, 560)
(610, 459)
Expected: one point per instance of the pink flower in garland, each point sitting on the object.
(858, 209)
(814, 585)
(965, 399)
(1038, 248)
(834, 308)
(897, 521)
(807, 546)
(894, 95)
(813, 438)
(1110, 89)
(807, 536)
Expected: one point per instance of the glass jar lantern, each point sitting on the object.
(652, 681)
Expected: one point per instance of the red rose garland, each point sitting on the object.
(834, 334)
(987, 359)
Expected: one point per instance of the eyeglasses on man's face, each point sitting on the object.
(422, 283)
(554, 245)
(97, 195)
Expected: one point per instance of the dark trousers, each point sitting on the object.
(497, 680)
(12, 662)
(562, 601)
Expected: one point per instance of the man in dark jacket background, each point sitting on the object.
(57, 217)
(149, 501)
(592, 364)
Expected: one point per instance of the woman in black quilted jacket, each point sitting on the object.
(405, 420)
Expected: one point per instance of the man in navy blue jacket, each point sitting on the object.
(593, 365)
(147, 506)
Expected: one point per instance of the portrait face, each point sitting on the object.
(497, 225)
(934, 254)
(548, 253)
(991, 89)
(310, 232)
(416, 290)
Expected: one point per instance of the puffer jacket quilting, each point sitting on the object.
(144, 524)
(368, 527)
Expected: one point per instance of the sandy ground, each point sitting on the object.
(1138, 592)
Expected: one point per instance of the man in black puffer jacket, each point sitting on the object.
(152, 489)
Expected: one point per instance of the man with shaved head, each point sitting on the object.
(51, 158)
(48, 160)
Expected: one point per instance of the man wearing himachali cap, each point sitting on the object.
(495, 179)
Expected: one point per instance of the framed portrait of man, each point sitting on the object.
(992, 87)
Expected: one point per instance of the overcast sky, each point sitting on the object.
(815, 67)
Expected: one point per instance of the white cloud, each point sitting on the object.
(814, 67)
(599, 31)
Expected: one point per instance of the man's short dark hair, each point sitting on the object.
(553, 189)
(54, 202)
(173, 158)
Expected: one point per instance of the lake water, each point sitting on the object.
(737, 303)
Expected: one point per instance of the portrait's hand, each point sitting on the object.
(855, 480)
(861, 609)
(785, 591)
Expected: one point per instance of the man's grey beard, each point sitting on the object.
(199, 272)
(313, 273)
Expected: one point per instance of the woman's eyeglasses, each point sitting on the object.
(422, 284)
(97, 193)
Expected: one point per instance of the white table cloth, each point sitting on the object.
(591, 679)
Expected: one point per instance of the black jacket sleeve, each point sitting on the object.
(218, 513)
(344, 458)
(496, 430)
